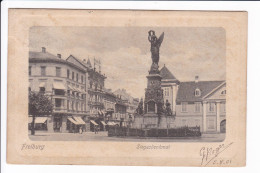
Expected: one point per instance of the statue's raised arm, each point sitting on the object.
(155, 45)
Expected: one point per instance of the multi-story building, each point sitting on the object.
(202, 103)
(109, 103)
(170, 85)
(196, 103)
(128, 100)
(65, 84)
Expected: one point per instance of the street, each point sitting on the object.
(102, 136)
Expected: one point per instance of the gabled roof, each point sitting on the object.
(167, 75)
(78, 62)
(186, 91)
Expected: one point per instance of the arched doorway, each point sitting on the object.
(223, 126)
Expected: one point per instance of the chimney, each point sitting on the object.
(59, 56)
(196, 79)
(43, 50)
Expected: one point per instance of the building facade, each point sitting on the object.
(196, 103)
(170, 86)
(65, 84)
(128, 100)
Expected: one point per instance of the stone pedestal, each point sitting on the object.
(153, 103)
(150, 121)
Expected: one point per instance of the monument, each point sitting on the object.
(154, 114)
(153, 103)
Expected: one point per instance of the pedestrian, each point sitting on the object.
(80, 130)
(95, 129)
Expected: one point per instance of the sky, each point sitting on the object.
(125, 54)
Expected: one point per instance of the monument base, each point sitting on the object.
(151, 120)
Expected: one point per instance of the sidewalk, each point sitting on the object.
(103, 136)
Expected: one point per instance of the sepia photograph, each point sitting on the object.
(127, 84)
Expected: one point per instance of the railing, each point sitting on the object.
(155, 132)
(59, 109)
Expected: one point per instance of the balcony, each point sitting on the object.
(76, 111)
(93, 103)
(59, 110)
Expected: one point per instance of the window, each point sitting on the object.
(43, 71)
(211, 107)
(72, 75)
(30, 70)
(30, 89)
(197, 106)
(42, 89)
(91, 84)
(166, 92)
(197, 92)
(59, 92)
(68, 73)
(184, 106)
(58, 103)
(77, 77)
(82, 80)
(72, 105)
(68, 104)
(58, 71)
(223, 92)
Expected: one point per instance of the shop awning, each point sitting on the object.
(59, 85)
(111, 123)
(93, 122)
(79, 120)
(42, 84)
(73, 121)
(104, 124)
(38, 120)
(70, 88)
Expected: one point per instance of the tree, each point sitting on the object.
(39, 105)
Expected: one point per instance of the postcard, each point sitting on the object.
(126, 87)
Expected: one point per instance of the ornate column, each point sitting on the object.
(218, 116)
(204, 116)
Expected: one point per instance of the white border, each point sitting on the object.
(253, 115)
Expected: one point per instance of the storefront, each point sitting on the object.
(40, 123)
(75, 123)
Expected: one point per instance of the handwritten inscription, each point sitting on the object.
(32, 147)
(221, 161)
(209, 154)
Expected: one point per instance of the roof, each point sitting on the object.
(186, 91)
(41, 55)
(167, 75)
(48, 57)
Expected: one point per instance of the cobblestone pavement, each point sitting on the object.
(102, 136)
